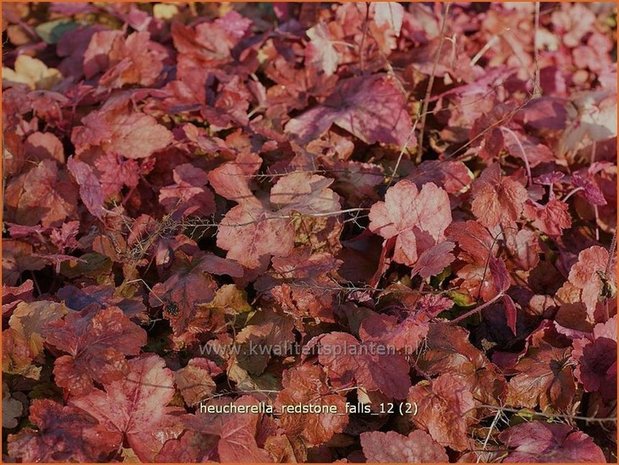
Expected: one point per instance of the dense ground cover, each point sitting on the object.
(407, 209)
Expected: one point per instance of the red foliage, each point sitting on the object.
(231, 234)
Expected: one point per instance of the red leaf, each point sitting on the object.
(453, 176)
(445, 409)
(44, 145)
(510, 313)
(306, 385)
(194, 381)
(549, 442)
(117, 129)
(485, 276)
(189, 195)
(304, 193)
(65, 434)
(17, 257)
(12, 296)
(96, 57)
(544, 377)
(596, 367)
(189, 286)
(474, 240)
(97, 344)
(349, 361)
(140, 415)
(434, 260)
(237, 431)
(587, 280)
(117, 172)
(90, 187)
(231, 180)
(591, 192)
(371, 108)
(131, 60)
(497, 199)
(551, 218)
(249, 233)
(44, 194)
(524, 246)
(449, 351)
(392, 447)
(321, 51)
(386, 330)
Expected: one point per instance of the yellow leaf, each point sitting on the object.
(32, 72)
(30, 318)
(165, 11)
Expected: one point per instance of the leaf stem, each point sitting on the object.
(524, 155)
(572, 192)
(477, 309)
(611, 253)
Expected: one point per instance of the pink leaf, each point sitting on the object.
(140, 415)
(510, 313)
(117, 128)
(348, 361)
(90, 187)
(372, 108)
(407, 210)
(549, 442)
(392, 447)
(497, 199)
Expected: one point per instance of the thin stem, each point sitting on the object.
(397, 164)
(321, 214)
(611, 253)
(365, 33)
(572, 192)
(595, 207)
(549, 415)
(537, 88)
(426, 100)
(492, 426)
(524, 155)
(493, 40)
(476, 309)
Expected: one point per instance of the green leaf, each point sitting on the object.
(90, 264)
(52, 31)
(460, 299)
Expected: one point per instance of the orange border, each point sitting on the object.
(616, 2)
